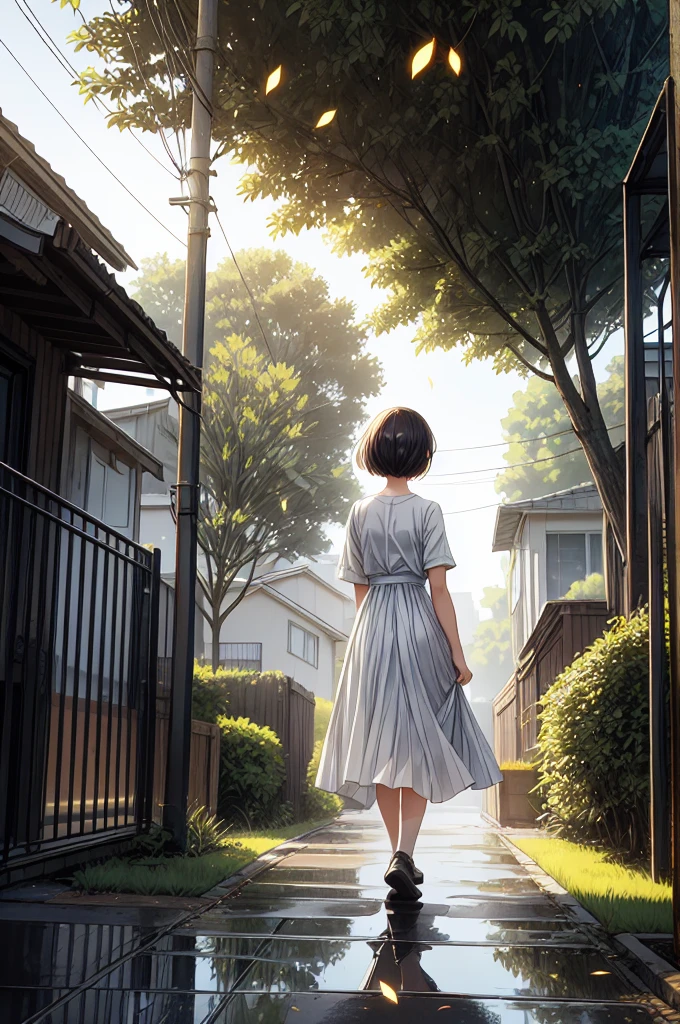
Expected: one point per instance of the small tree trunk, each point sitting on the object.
(215, 629)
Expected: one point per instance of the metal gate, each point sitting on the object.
(78, 634)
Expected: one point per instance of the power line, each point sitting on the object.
(478, 508)
(89, 148)
(519, 440)
(247, 288)
(58, 54)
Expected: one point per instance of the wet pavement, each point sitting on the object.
(311, 940)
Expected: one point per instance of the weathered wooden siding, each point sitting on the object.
(47, 406)
(563, 631)
(505, 725)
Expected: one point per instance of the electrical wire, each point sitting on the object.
(58, 54)
(246, 286)
(478, 508)
(513, 465)
(519, 440)
(89, 147)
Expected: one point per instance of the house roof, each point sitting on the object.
(18, 154)
(509, 517)
(299, 570)
(51, 278)
(304, 613)
(103, 430)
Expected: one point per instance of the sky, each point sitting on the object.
(463, 404)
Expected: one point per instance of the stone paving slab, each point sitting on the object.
(311, 939)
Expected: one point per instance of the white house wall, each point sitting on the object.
(314, 597)
(272, 620)
(531, 555)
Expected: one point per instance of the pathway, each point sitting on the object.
(310, 940)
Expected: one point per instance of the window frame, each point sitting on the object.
(307, 636)
(587, 535)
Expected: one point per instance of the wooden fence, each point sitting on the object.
(287, 708)
(204, 774)
(505, 722)
(564, 630)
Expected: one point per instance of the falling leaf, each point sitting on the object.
(455, 63)
(445, 1007)
(600, 972)
(273, 80)
(284, 503)
(422, 58)
(430, 382)
(388, 992)
(326, 118)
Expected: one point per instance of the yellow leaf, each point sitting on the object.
(455, 63)
(430, 382)
(273, 80)
(338, 471)
(422, 58)
(388, 992)
(284, 504)
(326, 118)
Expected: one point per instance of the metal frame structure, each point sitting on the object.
(653, 456)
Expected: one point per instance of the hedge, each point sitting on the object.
(594, 742)
(210, 697)
(252, 773)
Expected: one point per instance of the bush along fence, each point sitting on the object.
(266, 721)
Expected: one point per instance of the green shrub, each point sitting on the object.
(206, 833)
(594, 742)
(210, 696)
(317, 803)
(252, 772)
(589, 589)
(322, 714)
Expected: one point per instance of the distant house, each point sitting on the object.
(291, 619)
(553, 541)
(295, 617)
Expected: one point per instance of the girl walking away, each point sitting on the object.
(402, 730)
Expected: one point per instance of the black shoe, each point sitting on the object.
(399, 875)
(418, 876)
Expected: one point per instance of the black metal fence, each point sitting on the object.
(78, 614)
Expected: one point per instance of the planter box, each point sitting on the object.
(511, 802)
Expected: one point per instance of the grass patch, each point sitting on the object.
(322, 714)
(184, 876)
(623, 899)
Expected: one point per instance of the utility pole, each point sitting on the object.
(189, 449)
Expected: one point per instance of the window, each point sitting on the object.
(571, 557)
(303, 645)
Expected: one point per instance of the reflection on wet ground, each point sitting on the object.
(312, 940)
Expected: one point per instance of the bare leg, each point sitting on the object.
(388, 802)
(412, 810)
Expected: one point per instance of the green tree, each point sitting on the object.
(491, 650)
(304, 329)
(257, 478)
(539, 411)
(488, 201)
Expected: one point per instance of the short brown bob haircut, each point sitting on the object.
(398, 442)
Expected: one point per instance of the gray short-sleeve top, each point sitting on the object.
(402, 535)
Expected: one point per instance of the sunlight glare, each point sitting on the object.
(455, 63)
(274, 80)
(422, 58)
(388, 992)
(326, 118)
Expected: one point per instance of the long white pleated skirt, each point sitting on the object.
(400, 718)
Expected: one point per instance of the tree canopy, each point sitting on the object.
(305, 330)
(257, 480)
(488, 200)
(544, 465)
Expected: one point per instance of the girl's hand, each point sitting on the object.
(464, 673)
